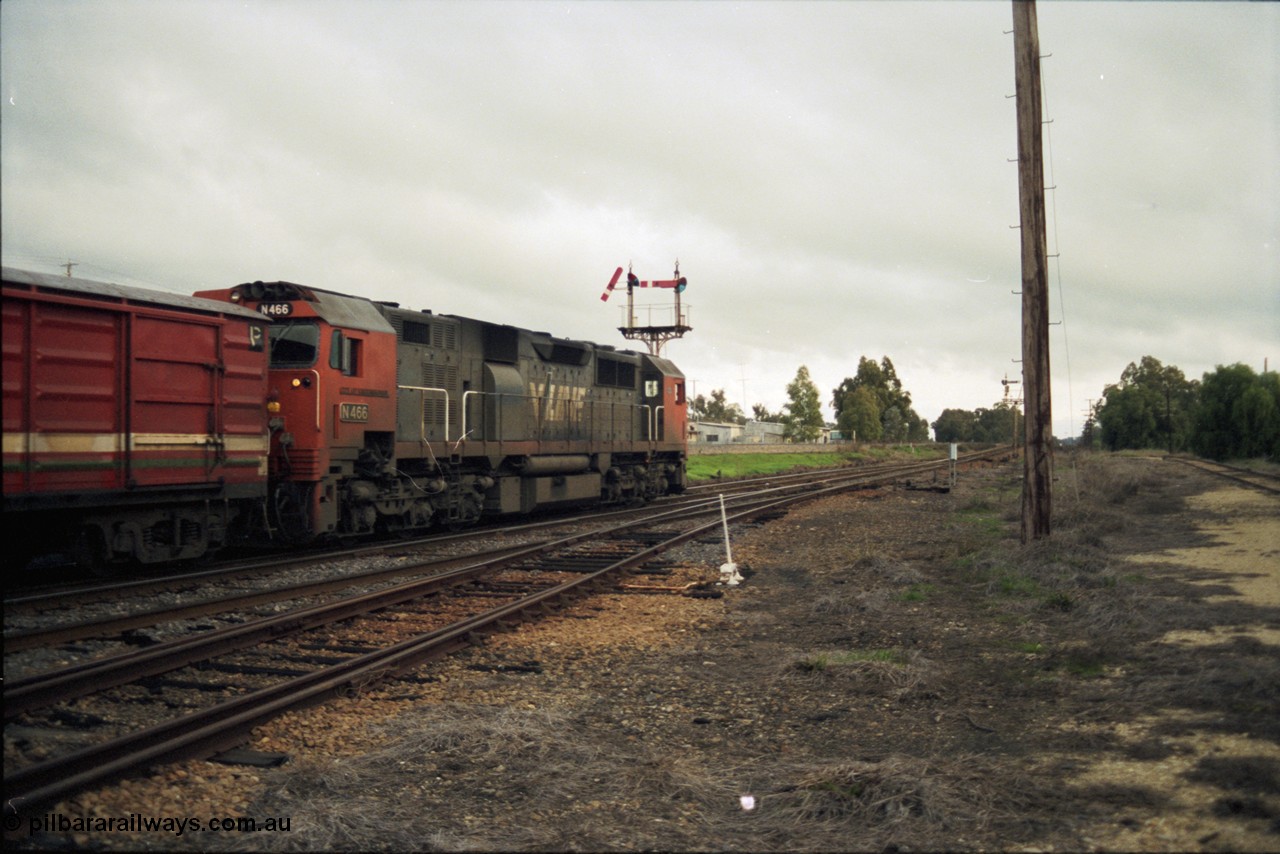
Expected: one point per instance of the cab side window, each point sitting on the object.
(344, 354)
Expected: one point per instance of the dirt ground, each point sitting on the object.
(896, 673)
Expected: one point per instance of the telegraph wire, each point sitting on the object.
(1057, 250)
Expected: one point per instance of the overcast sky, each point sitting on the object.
(834, 178)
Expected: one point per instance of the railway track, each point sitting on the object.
(301, 656)
(24, 606)
(1265, 481)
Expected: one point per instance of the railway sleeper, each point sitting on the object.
(157, 684)
(250, 669)
(76, 720)
(526, 667)
(353, 649)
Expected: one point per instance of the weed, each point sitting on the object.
(1058, 602)
(1086, 668)
(1011, 584)
(820, 661)
(917, 593)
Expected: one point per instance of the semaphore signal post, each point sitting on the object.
(655, 335)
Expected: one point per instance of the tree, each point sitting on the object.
(1239, 414)
(860, 417)
(997, 424)
(994, 425)
(1151, 407)
(891, 402)
(716, 409)
(895, 428)
(804, 420)
(955, 425)
(760, 412)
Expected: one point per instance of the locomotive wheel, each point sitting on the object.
(292, 505)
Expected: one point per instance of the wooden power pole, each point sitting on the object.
(1037, 490)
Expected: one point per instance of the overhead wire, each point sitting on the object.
(1057, 253)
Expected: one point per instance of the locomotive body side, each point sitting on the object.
(530, 421)
(134, 420)
(434, 419)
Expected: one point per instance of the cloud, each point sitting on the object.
(834, 178)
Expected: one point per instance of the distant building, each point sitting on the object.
(763, 432)
(709, 432)
(751, 433)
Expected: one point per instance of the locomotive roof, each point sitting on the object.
(352, 312)
(349, 311)
(110, 291)
(666, 367)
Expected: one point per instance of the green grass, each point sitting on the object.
(1013, 584)
(1085, 668)
(709, 466)
(917, 593)
(983, 517)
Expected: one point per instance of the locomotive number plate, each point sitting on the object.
(276, 309)
(358, 412)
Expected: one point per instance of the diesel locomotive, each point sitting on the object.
(299, 413)
(387, 418)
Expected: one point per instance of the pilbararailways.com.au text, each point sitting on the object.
(139, 823)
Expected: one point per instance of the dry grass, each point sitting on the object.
(501, 770)
(874, 584)
(886, 672)
(901, 801)
(845, 736)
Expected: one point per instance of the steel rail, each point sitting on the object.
(31, 692)
(220, 727)
(24, 639)
(42, 689)
(1266, 481)
(18, 641)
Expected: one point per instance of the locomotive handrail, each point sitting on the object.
(465, 395)
(319, 421)
(583, 427)
(422, 422)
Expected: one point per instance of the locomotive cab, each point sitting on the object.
(332, 419)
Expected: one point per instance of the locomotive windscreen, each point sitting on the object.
(294, 344)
